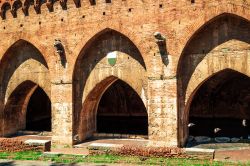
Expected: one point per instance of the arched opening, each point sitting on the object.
(121, 111)
(221, 107)
(107, 56)
(22, 69)
(38, 115)
(27, 108)
(221, 43)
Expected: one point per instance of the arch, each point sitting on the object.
(92, 67)
(14, 113)
(223, 61)
(211, 14)
(22, 61)
(24, 42)
(217, 45)
(23, 37)
(222, 100)
(19, 63)
(200, 83)
(87, 124)
(29, 65)
(85, 42)
(95, 37)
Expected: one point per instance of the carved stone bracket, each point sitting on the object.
(60, 50)
(162, 44)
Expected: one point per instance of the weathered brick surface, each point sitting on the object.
(90, 31)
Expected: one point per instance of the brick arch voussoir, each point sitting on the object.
(211, 13)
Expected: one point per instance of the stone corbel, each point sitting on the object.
(60, 50)
(162, 45)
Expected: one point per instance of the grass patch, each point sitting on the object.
(108, 158)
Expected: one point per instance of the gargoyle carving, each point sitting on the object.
(60, 50)
(161, 42)
(59, 47)
(160, 39)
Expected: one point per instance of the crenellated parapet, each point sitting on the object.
(25, 5)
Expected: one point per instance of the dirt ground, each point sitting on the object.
(242, 155)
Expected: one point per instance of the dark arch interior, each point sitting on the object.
(121, 110)
(38, 116)
(222, 102)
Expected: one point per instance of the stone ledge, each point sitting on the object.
(199, 153)
(104, 146)
(44, 144)
(114, 135)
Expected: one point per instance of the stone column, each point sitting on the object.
(163, 112)
(61, 95)
(162, 100)
(61, 103)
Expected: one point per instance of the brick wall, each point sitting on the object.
(78, 26)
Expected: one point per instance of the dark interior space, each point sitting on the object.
(221, 106)
(38, 116)
(122, 111)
